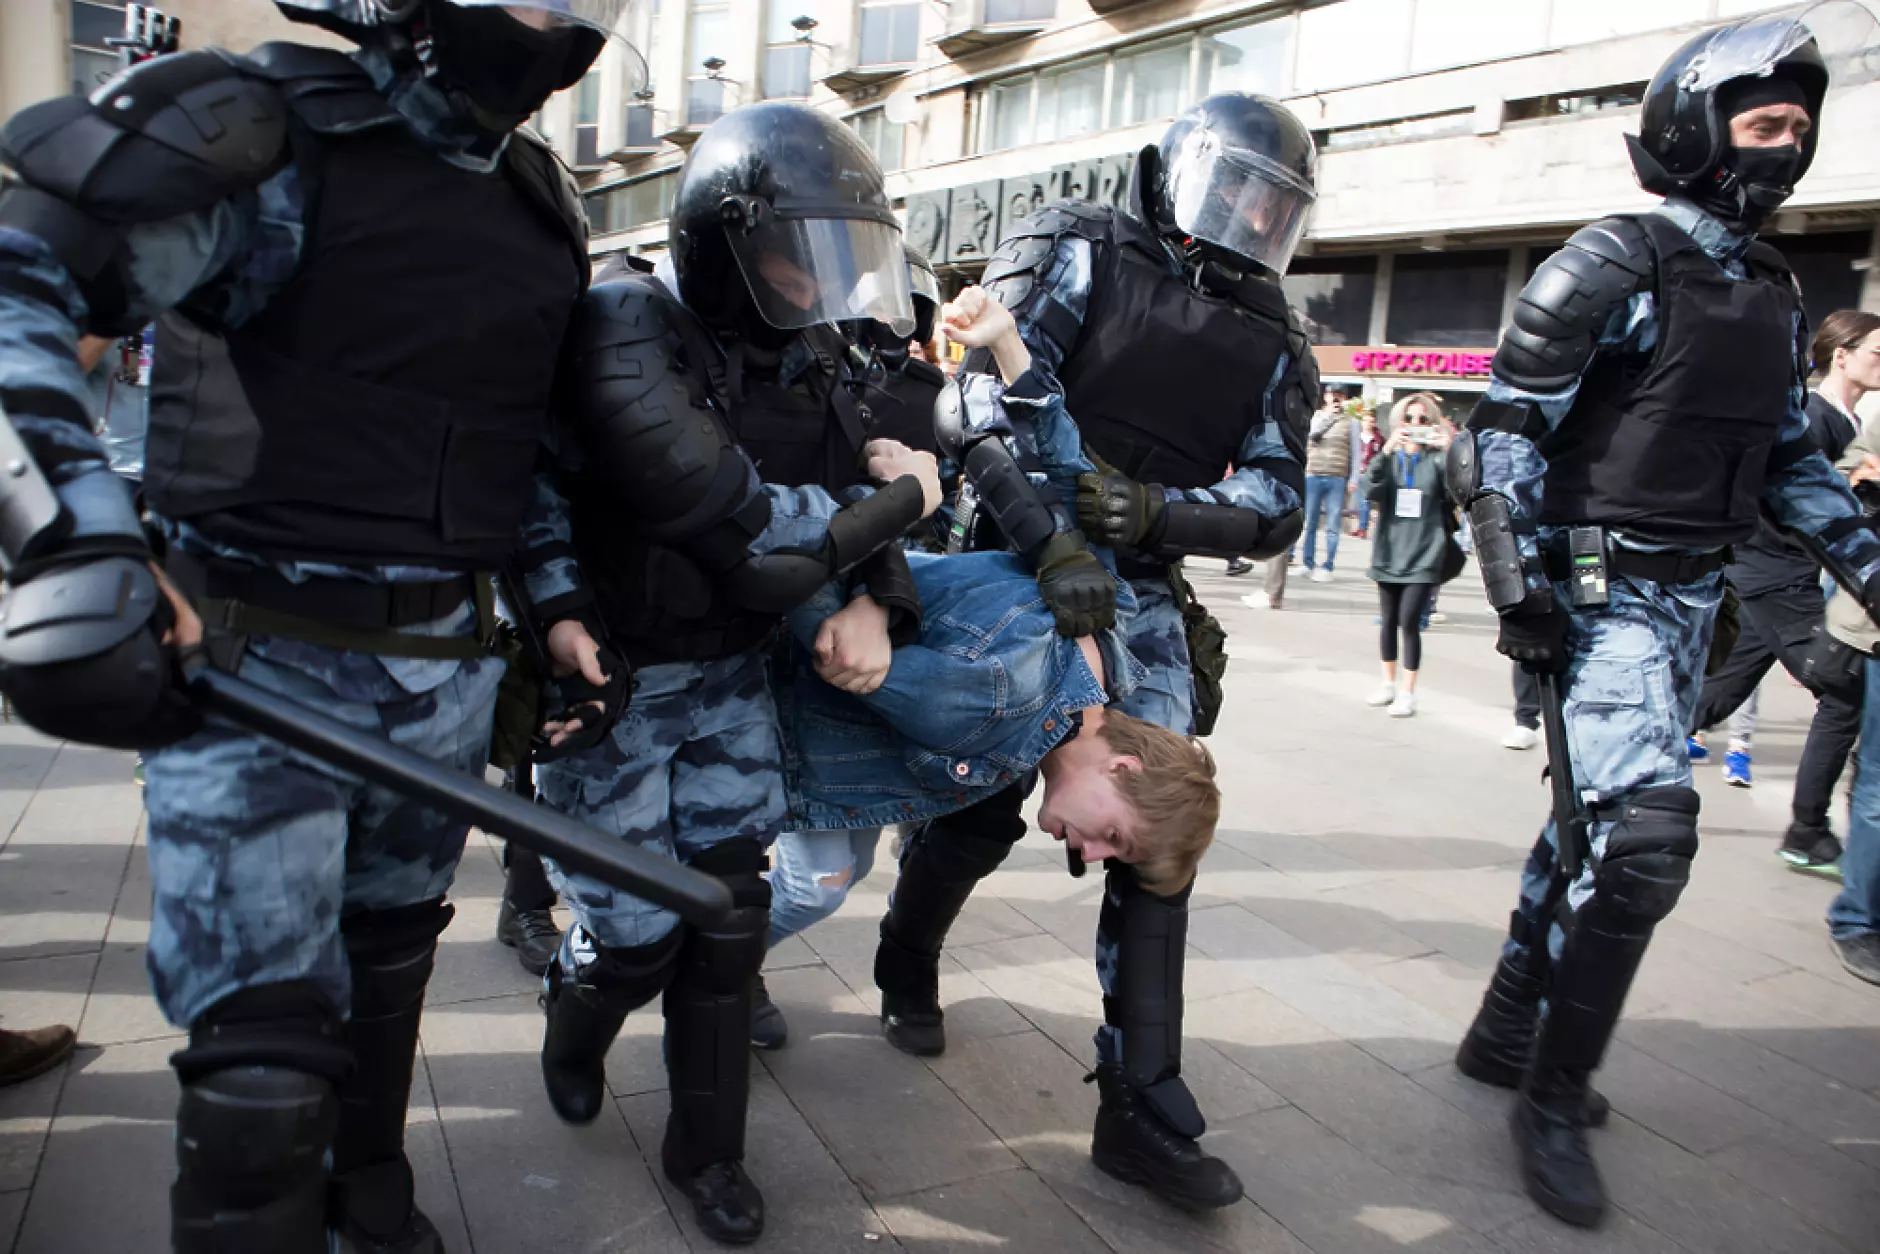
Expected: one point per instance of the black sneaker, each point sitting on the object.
(768, 1028)
(1239, 566)
(531, 933)
(1815, 850)
(1860, 955)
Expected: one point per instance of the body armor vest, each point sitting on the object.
(1164, 381)
(387, 405)
(1673, 450)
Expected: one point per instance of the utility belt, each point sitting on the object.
(1585, 556)
(237, 600)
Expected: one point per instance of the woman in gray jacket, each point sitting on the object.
(1409, 540)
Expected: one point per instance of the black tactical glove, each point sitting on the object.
(1115, 509)
(1081, 594)
(592, 708)
(82, 655)
(1536, 640)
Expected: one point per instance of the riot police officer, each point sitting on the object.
(343, 420)
(677, 402)
(1178, 356)
(1647, 401)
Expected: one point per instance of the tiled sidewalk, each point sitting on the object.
(1343, 928)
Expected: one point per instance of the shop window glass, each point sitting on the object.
(1333, 295)
(1447, 300)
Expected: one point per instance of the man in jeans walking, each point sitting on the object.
(1328, 467)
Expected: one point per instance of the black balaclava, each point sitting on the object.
(1749, 184)
(503, 68)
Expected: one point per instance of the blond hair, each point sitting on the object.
(1431, 406)
(1174, 796)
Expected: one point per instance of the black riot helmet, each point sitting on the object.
(1235, 173)
(924, 287)
(782, 221)
(502, 59)
(1683, 146)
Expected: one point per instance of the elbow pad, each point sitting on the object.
(779, 581)
(1009, 497)
(1194, 529)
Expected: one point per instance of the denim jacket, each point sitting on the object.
(988, 690)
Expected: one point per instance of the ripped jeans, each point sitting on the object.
(811, 874)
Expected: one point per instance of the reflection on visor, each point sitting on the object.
(1239, 201)
(924, 284)
(1846, 32)
(805, 271)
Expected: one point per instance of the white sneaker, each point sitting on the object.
(1257, 600)
(1519, 737)
(1404, 706)
(1438, 618)
(1321, 576)
(1384, 695)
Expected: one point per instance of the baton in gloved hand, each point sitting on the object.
(1572, 824)
(695, 896)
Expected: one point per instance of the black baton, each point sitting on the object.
(1572, 825)
(697, 897)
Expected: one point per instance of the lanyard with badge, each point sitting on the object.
(1409, 501)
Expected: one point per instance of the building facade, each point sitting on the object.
(1461, 141)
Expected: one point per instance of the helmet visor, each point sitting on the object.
(1239, 200)
(805, 271)
(1845, 31)
(924, 283)
(627, 22)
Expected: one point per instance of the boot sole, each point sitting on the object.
(1124, 1169)
(913, 1049)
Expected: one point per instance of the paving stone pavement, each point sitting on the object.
(1343, 927)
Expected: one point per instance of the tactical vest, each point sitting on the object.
(657, 605)
(901, 407)
(1673, 450)
(388, 403)
(1164, 381)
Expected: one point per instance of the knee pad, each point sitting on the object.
(740, 863)
(722, 958)
(1648, 854)
(292, 1025)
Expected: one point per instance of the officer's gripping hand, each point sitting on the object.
(1115, 509)
(888, 460)
(591, 686)
(1080, 593)
(1537, 640)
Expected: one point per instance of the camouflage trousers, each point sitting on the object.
(256, 851)
(1629, 695)
(1167, 699)
(694, 761)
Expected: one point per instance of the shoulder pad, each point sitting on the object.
(326, 89)
(1018, 264)
(167, 136)
(627, 309)
(1565, 306)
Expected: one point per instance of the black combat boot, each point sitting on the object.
(1501, 1040)
(391, 953)
(585, 1014)
(708, 1061)
(940, 865)
(1549, 1122)
(1133, 1144)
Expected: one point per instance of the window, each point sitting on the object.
(997, 11)
(1070, 102)
(1333, 295)
(1152, 83)
(1357, 41)
(883, 137)
(1252, 57)
(786, 53)
(1397, 131)
(709, 36)
(628, 205)
(1008, 114)
(1447, 300)
(587, 119)
(639, 127)
(94, 24)
(1568, 104)
(890, 33)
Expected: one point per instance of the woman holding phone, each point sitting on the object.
(1405, 482)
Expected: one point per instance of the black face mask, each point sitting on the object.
(507, 70)
(1751, 184)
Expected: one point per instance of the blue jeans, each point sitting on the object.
(811, 874)
(1324, 492)
(1857, 909)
